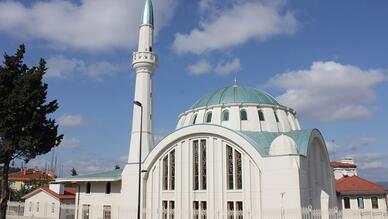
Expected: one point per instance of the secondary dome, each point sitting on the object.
(235, 94)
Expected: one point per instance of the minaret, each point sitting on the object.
(144, 62)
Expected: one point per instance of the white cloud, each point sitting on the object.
(89, 24)
(69, 120)
(63, 67)
(234, 26)
(330, 91)
(70, 143)
(201, 67)
(224, 68)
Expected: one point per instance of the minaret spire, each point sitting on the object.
(144, 63)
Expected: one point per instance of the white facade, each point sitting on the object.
(248, 157)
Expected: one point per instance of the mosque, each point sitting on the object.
(235, 153)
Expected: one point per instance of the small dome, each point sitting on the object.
(283, 145)
(235, 94)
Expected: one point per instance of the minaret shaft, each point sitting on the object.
(144, 62)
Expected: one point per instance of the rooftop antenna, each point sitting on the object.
(235, 80)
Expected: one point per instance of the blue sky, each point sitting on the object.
(326, 59)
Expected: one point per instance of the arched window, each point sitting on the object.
(194, 119)
(243, 114)
(261, 115)
(276, 116)
(107, 188)
(209, 117)
(88, 188)
(225, 115)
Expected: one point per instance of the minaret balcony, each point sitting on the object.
(144, 57)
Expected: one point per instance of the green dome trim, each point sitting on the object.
(235, 94)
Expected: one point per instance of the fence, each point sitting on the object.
(19, 210)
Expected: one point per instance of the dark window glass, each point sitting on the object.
(172, 210)
(85, 211)
(195, 210)
(203, 164)
(229, 167)
(203, 210)
(230, 210)
(195, 166)
(194, 119)
(88, 188)
(107, 212)
(107, 188)
(164, 209)
(261, 115)
(346, 202)
(165, 173)
(239, 210)
(172, 170)
(243, 115)
(237, 158)
(209, 117)
(225, 115)
(375, 202)
(276, 117)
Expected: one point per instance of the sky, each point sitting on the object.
(325, 59)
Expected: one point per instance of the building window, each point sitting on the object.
(85, 211)
(229, 167)
(238, 171)
(346, 202)
(107, 212)
(203, 164)
(37, 207)
(230, 210)
(239, 210)
(52, 207)
(164, 209)
(209, 117)
(195, 165)
(225, 115)
(261, 115)
(171, 208)
(276, 116)
(195, 210)
(107, 188)
(243, 115)
(88, 188)
(172, 170)
(375, 202)
(194, 119)
(203, 210)
(233, 168)
(360, 202)
(30, 207)
(165, 173)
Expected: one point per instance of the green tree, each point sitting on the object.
(74, 172)
(26, 131)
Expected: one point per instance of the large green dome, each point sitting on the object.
(235, 94)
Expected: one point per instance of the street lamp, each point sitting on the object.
(137, 103)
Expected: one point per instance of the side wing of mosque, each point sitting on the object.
(236, 153)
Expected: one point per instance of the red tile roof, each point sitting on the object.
(336, 164)
(356, 184)
(69, 193)
(30, 174)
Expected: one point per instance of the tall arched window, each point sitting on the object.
(261, 115)
(276, 116)
(88, 188)
(107, 188)
(243, 114)
(209, 117)
(225, 115)
(194, 119)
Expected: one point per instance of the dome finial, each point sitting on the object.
(148, 14)
(235, 80)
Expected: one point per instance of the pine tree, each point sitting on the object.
(26, 131)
